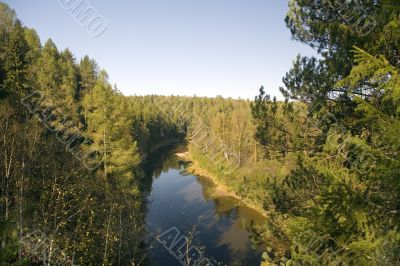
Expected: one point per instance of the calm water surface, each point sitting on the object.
(186, 203)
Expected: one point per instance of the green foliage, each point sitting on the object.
(44, 187)
(324, 163)
(341, 203)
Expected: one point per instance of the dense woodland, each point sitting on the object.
(323, 164)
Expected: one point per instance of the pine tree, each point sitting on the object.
(15, 61)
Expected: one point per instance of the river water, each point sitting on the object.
(182, 205)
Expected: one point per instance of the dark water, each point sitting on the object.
(181, 204)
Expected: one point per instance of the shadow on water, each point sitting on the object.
(159, 162)
(177, 199)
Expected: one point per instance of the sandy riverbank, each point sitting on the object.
(221, 190)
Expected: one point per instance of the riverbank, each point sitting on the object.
(221, 189)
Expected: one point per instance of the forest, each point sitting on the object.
(323, 164)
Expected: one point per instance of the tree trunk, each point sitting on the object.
(107, 235)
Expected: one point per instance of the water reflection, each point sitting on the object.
(181, 200)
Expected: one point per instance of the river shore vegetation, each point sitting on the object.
(322, 165)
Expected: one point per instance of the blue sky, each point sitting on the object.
(180, 47)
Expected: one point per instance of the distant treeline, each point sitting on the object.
(323, 164)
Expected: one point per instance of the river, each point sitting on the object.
(180, 204)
